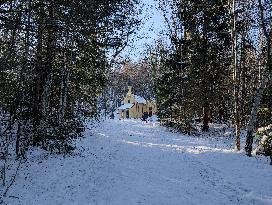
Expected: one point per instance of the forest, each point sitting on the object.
(62, 67)
(54, 66)
(214, 66)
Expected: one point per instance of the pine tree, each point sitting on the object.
(54, 63)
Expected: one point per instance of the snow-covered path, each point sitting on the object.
(132, 163)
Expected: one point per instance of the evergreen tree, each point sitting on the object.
(54, 63)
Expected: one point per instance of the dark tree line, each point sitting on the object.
(217, 66)
(54, 59)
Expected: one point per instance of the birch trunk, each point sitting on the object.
(253, 117)
(235, 79)
(264, 82)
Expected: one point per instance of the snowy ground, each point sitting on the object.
(133, 163)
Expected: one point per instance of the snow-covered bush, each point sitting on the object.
(264, 141)
(264, 116)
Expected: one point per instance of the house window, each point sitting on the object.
(142, 109)
(128, 101)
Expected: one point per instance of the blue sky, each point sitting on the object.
(150, 30)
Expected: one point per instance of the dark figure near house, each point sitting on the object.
(145, 116)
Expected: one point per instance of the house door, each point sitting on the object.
(127, 114)
(150, 112)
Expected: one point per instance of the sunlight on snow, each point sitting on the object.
(178, 148)
(103, 135)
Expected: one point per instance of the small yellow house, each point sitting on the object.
(133, 106)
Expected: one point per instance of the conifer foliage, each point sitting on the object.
(53, 66)
(196, 72)
(217, 65)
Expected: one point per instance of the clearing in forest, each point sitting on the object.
(131, 162)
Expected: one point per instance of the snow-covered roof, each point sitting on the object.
(140, 99)
(125, 106)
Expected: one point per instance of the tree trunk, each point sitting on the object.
(235, 79)
(63, 92)
(253, 117)
(22, 87)
(206, 112)
(264, 82)
(45, 58)
(38, 75)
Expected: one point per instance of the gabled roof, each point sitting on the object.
(140, 99)
(126, 106)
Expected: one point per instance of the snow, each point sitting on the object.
(262, 129)
(153, 118)
(125, 106)
(140, 99)
(132, 162)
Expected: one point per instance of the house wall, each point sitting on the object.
(138, 109)
(133, 113)
(153, 106)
